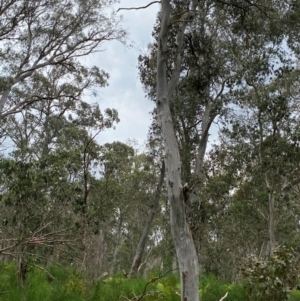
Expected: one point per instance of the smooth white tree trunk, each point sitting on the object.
(184, 245)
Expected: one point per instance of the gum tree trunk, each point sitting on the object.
(183, 241)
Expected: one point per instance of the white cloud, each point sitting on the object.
(125, 92)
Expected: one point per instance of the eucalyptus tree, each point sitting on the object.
(253, 175)
(55, 141)
(195, 47)
(128, 181)
(47, 202)
(38, 126)
(185, 249)
(268, 127)
(31, 205)
(266, 58)
(36, 36)
(137, 260)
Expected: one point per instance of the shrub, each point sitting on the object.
(273, 277)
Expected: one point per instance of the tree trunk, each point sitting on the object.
(142, 243)
(184, 245)
(3, 99)
(272, 222)
(207, 120)
(269, 186)
(101, 251)
(118, 246)
(22, 269)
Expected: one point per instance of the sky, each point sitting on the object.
(125, 92)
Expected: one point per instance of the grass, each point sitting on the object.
(70, 285)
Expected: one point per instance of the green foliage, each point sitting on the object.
(169, 288)
(212, 289)
(118, 288)
(294, 296)
(66, 285)
(37, 287)
(75, 286)
(69, 284)
(9, 289)
(272, 278)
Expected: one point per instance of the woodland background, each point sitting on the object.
(101, 210)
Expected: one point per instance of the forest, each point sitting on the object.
(208, 210)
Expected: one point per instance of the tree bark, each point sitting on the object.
(207, 120)
(142, 243)
(269, 186)
(22, 269)
(184, 245)
(118, 246)
(272, 222)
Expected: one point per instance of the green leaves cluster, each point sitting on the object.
(274, 277)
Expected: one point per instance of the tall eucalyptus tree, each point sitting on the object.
(195, 48)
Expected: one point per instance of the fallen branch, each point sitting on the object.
(224, 297)
(45, 271)
(145, 293)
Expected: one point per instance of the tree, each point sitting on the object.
(54, 157)
(270, 134)
(185, 248)
(185, 68)
(38, 36)
(152, 211)
(130, 183)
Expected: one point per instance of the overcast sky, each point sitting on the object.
(125, 92)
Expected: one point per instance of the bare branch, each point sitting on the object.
(136, 8)
(145, 293)
(45, 271)
(222, 87)
(291, 184)
(224, 297)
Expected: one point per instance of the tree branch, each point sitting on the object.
(224, 297)
(243, 7)
(187, 16)
(136, 8)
